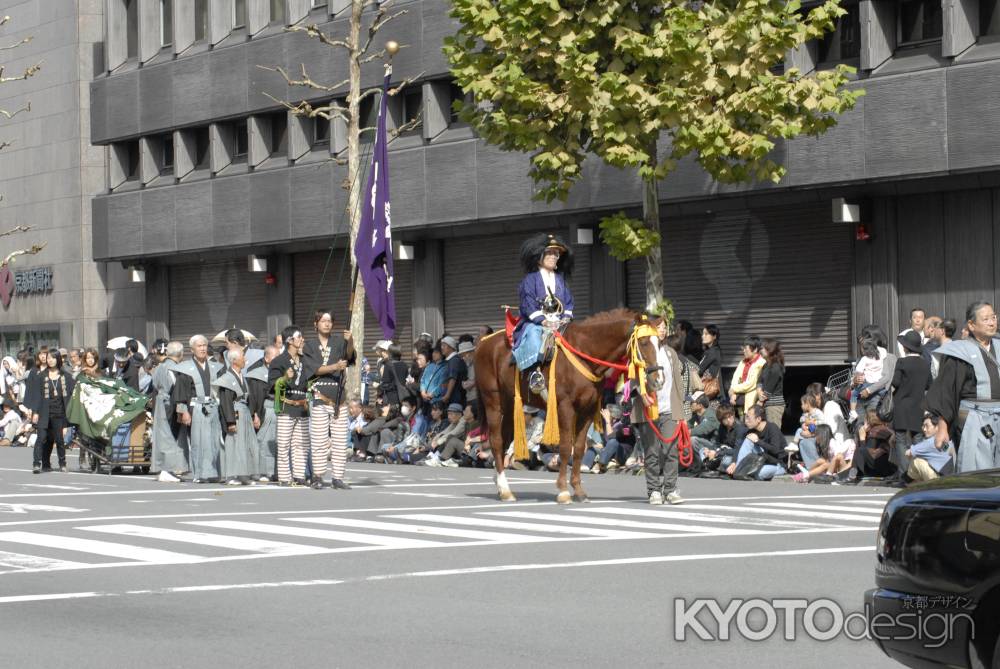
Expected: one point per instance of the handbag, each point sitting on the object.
(711, 386)
(749, 467)
(885, 407)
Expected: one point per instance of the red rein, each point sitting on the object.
(597, 361)
(682, 435)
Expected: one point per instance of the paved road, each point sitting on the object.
(415, 566)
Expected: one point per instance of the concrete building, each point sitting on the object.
(48, 173)
(895, 207)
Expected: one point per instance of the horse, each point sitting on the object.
(605, 337)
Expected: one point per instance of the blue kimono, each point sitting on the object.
(528, 333)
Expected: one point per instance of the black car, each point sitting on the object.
(938, 597)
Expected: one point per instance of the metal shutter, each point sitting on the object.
(312, 291)
(210, 297)
(782, 273)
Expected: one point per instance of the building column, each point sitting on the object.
(280, 300)
(607, 280)
(428, 289)
(157, 302)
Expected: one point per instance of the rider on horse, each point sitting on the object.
(545, 303)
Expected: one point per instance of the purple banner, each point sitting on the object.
(373, 247)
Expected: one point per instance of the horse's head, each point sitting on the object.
(646, 336)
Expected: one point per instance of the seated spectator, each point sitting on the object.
(361, 436)
(382, 431)
(811, 418)
(929, 463)
(763, 438)
(746, 378)
(10, 422)
(873, 457)
(704, 427)
(477, 451)
(391, 444)
(612, 445)
(449, 444)
(534, 427)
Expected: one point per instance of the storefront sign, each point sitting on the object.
(24, 282)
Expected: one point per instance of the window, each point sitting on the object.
(166, 22)
(167, 154)
(239, 14)
(320, 132)
(919, 21)
(989, 17)
(200, 20)
(131, 166)
(241, 140)
(278, 144)
(201, 145)
(132, 28)
(277, 11)
(457, 96)
(844, 42)
(412, 105)
(317, 3)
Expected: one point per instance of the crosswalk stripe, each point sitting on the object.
(21, 561)
(821, 507)
(798, 513)
(106, 548)
(875, 502)
(535, 527)
(206, 539)
(332, 535)
(672, 513)
(608, 522)
(505, 537)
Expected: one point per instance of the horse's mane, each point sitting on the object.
(618, 314)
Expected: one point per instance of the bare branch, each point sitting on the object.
(37, 248)
(4, 145)
(14, 231)
(305, 108)
(10, 115)
(28, 72)
(15, 44)
(406, 127)
(404, 83)
(382, 17)
(314, 32)
(306, 80)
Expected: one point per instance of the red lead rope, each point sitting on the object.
(682, 435)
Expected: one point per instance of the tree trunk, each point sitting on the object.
(354, 184)
(654, 261)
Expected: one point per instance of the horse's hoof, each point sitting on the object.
(507, 497)
(583, 499)
(563, 497)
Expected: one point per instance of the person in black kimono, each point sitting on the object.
(262, 409)
(288, 381)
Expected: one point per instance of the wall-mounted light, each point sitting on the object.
(846, 212)
(404, 252)
(137, 273)
(256, 263)
(584, 237)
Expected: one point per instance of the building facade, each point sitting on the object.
(209, 179)
(49, 170)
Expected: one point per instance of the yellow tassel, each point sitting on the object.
(521, 451)
(551, 434)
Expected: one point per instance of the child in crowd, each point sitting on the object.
(812, 417)
(10, 423)
(869, 367)
(927, 462)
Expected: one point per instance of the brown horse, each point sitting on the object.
(604, 337)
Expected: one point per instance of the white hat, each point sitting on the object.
(466, 347)
(450, 342)
(696, 394)
(383, 344)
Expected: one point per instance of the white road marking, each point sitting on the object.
(21, 561)
(491, 569)
(609, 522)
(781, 512)
(504, 537)
(534, 527)
(331, 535)
(823, 507)
(672, 513)
(52, 487)
(880, 502)
(98, 547)
(425, 494)
(206, 539)
(25, 508)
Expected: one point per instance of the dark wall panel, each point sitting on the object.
(968, 250)
(407, 187)
(193, 205)
(228, 71)
(121, 105)
(837, 155)
(905, 124)
(451, 182)
(269, 219)
(231, 211)
(921, 238)
(124, 229)
(156, 109)
(503, 187)
(312, 211)
(158, 232)
(973, 115)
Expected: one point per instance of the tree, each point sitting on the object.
(7, 258)
(357, 45)
(563, 79)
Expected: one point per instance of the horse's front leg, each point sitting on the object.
(567, 436)
(494, 418)
(579, 447)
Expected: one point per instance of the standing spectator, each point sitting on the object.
(289, 383)
(931, 337)
(126, 368)
(943, 333)
(917, 318)
(484, 331)
(91, 363)
(50, 404)
(264, 420)
(691, 345)
(661, 459)
(467, 350)
(969, 381)
(710, 367)
(772, 382)
(170, 456)
(456, 375)
(746, 378)
(910, 381)
(690, 380)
